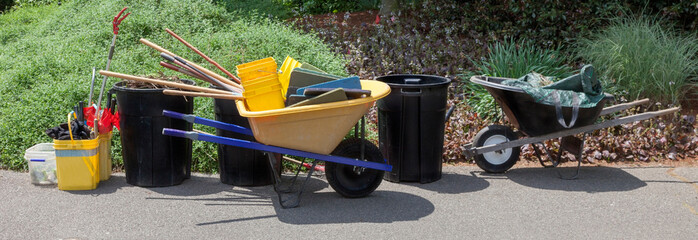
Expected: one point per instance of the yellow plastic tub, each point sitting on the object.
(77, 164)
(259, 68)
(104, 156)
(313, 128)
(265, 98)
(261, 82)
(285, 73)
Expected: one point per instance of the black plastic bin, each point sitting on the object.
(411, 126)
(240, 166)
(152, 159)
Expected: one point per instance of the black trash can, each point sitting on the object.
(152, 159)
(411, 126)
(240, 166)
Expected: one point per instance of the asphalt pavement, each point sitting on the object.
(524, 203)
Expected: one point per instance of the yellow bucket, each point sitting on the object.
(264, 98)
(285, 73)
(77, 162)
(313, 128)
(261, 82)
(104, 156)
(259, 68)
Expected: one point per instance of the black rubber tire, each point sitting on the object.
(499, 166)
(344, 180)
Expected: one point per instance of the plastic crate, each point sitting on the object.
(41, 159)
(265, 98)
(259, 68)
(285, 72)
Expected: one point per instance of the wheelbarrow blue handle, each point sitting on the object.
(208, 122)
(258, 146)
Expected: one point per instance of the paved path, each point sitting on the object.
(525, 203)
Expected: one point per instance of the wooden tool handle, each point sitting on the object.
(208, 72)
(179, 70)
(155, 46)
(202, 55)
(200, 94)
(164, 83)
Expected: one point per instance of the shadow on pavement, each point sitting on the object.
(379, 207)
(195, 186)
(233, 195)
(591, 179)
(108, 186)
(451, 183)
(329, 207)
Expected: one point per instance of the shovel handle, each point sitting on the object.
(201, 94)
(202, 55)
(179, 70)
(164, 83)
(200, 68)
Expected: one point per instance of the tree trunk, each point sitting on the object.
(389, 6)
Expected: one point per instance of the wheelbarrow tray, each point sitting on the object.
(314, 128)
(527, 115)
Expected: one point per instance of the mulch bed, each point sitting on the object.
(656, 141)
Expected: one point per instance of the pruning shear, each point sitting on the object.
(117, 21)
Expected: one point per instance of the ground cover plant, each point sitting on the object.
(47, 53)
(640, 56)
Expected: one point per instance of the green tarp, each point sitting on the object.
(582, 89)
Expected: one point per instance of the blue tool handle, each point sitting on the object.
(267, 148)
(208, 122)
(168, 113)
(179, 133)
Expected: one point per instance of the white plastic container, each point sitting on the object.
(41, 159)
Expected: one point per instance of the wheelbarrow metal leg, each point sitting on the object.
(578, 155)
(540, 159)
(288, 197)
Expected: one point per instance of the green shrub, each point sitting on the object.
(268, 8)
(5, 4)
(641, 57)
(512, 59)
(304, 7)
(29, 3)
(47, 54)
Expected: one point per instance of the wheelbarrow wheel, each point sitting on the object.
(351, 181)
(496, 161)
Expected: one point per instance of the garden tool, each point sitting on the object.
(181, 70)
(202, 55)
(115, 28)
(195, 66)
(92, 87)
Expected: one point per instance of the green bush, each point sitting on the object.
(28, 3)
(512, 59)
(304, 7)
(5, 4)
(47, 54)
(642, 57)
(268, 8)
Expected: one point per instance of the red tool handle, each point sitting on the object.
(117, 21)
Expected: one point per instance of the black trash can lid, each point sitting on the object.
(414, 80)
